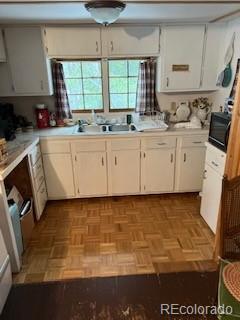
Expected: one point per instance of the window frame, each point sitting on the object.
(108, 76)
(86, 60)
(105, 83)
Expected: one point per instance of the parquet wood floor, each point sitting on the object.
(118, 236)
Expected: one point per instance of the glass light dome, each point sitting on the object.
(105, 12)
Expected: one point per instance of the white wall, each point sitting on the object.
(233, 26)
(25, 106)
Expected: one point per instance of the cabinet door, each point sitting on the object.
(158, 166)
(91, 173)
(182, 57)
(59, 175)
(190, 169)
(2, 48)
(213, 48)
(29, 67)
(211, 196)
(125, 166)
(73, 42)
(135, 41)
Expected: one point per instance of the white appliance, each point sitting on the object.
(212, 185)
(5, 273)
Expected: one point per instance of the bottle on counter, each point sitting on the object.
(42, 115)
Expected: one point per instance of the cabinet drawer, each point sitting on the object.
(159, 142)
(39, 179)
(88, 145)
(55, 147)
(42, 197)
(35, 154)
(125, 144)
(216, 159)
(37, 168)
(194, 141)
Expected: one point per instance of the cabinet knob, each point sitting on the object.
(205, 174)
(112, 48)
(167, 82)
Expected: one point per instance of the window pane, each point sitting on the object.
(119, 101)
(91, 69)
(133, 67)
(76, 101)
(73, 85)
(91, 86)
(93, 101)
(72, 69)
(133, 85)
(118, 68)
(132, 100)
(118, 85)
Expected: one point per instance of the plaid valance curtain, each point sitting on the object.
(146, 94)
(61, 98)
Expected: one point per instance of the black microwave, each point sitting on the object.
(219, 129)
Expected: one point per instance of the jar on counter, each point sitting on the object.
(3, 151)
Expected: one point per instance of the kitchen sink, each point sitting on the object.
(94, 128)
(91, 128)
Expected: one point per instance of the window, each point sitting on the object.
(123, 79)
(84, 84)
(95, 84)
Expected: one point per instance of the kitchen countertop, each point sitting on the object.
(71, 133)
(24, 142)
(18, 149)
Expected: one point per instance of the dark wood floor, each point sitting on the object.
(114, 298)
(118, 236)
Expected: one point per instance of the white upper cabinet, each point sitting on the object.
(181, 57)
(213, 47)
(131, 41)
(2, 48)
(30, 70)
(73, 42)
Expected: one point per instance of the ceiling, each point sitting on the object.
(134, 12)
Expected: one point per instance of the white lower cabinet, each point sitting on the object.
(91, 173)
(59, 175)
(121, 166)
(212, 185)
(158, 170)
(190, 171)
(125, 171)
(211, 196)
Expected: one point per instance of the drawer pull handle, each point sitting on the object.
(184, 157)
(214, 163)
(112, 48)
(171, 157)
(96, 46)
(205, 174)
(115, 160)
(161, 143)
(102, 161)
(197, 142)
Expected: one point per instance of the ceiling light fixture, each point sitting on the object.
(105, 11)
